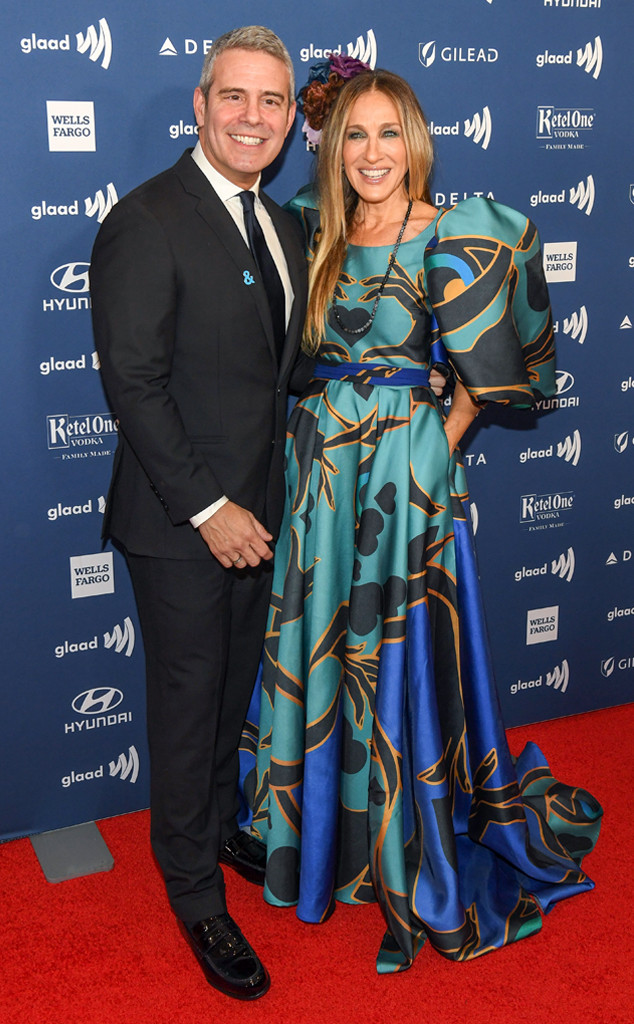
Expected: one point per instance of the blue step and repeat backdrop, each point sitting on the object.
(530, 103)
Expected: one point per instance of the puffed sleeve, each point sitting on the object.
(484, 277)
(303, 206)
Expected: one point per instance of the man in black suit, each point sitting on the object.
(196, 355)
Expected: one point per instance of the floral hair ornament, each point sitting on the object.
(325, 80)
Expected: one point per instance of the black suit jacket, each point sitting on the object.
(184, 335)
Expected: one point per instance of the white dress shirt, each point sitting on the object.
(229, 193)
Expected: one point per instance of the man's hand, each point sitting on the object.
(235, 537)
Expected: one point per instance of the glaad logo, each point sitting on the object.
(97, 701)
(542, 625)
(94, 44)
(126, 767)
(624, 501)
(52, 365)
(91, 575)
(97, 46)
(619, 613)
(475, 517)
(76, 648)
(589, 57)
(99, 205)
(121, 638)
(560, 261)
(576, 325)
(363, 49)
(456, 54)
(97, 706)
(564, 567)
(69, 780)
(71, 126)
(540, 511)
(53, 514)
(558, 679)
(569, 449)
(582, 196)
(478, 128)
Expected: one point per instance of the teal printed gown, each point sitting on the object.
(383, 771)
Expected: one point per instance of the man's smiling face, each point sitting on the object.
(247, 114)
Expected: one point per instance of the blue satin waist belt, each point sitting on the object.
(373, 373)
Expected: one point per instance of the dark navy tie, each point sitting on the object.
(268, 271)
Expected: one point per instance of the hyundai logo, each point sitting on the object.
(97, 701)
(71, 277)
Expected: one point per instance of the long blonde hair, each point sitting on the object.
(338, 200)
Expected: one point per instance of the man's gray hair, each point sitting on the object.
(249, 37)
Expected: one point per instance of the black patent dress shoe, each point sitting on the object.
(246, 855)
(228, 962)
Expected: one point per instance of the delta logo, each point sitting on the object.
(95, 43)
(588, 57)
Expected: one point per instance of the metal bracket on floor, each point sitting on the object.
(72, 852)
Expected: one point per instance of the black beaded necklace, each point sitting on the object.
(390, 264)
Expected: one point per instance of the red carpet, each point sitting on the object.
(105, 949)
